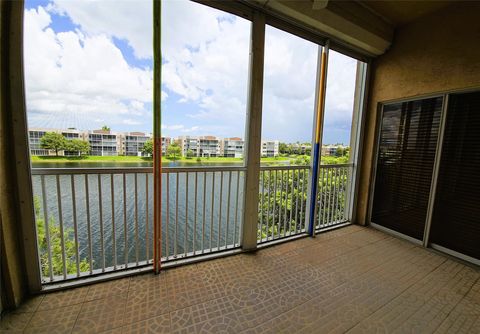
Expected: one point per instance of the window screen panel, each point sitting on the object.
(456, 214)
(407, 147)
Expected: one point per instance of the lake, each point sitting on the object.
(214, 213)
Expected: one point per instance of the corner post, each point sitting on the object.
(317, 145)
(157, 137)
(253, 133)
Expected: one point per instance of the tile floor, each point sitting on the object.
(354, 279)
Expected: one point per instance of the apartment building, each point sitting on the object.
(166, 141)
(35, 134)
(301, 148)
(187, 143)
(104, 143)
(270, 148)
(133, 142)
(108, 143)
(209, 146)
(331, 150)
(232, 147)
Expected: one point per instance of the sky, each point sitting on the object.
(90, 63)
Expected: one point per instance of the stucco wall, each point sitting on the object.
(436, 53)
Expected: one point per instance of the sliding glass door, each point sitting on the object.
(456, 213)
(427, 183)
(407, 146)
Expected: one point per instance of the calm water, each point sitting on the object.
(214, 213)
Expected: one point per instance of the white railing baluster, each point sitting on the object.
(125, 219)
(219, 232)
(204, 205)
(194, 241)
(185, 234)
(228, 206)
(177, 176)
(47, 228)
(100, 215)
(147, 235)
(89, 225)
(136, 218)
(75, 227)
(62, 234)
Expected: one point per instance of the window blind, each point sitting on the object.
(456, 214)
(407, 148)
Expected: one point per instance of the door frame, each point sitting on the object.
(425, 242)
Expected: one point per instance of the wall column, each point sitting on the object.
(253, 134)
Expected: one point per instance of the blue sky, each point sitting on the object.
(90, 63)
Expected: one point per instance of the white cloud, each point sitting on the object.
(164, 95)
(129, 20)
(191, 129)
(129, 121)
(71, 78)
(206, 63)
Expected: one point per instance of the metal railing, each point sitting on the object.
(98, 220)
(282, 201)
(333, 196)
(202, 211)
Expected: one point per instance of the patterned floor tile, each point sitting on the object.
(59, 320)
(63, 298)
(155, 325)
(102, 290)
(352, 279)
(101, 315)
(16, 321)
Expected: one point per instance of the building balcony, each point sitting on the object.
(388, 242)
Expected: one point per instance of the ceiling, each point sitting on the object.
(401, 12)
(365, 25)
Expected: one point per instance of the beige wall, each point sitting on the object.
(435, 53)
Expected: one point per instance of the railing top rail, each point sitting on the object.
(133, 170)
(284, 167)
(336, 165)
(96, 170)
(202, 169)
(130, 170)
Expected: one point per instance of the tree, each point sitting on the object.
(285, 148)
(77, 145)
(105, 128)
(55, 241)
(283, 200)
(174, 152)
(53, 141)
(339, 152)
(189, 154)
(148, 147)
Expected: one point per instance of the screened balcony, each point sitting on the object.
(387, 242)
